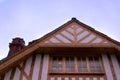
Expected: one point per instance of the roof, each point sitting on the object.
(80, 23)
(45, 42)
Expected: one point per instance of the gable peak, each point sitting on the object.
(73, 18)
(75, 33)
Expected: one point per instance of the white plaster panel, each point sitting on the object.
(95, 78)
(66, 78)
(101, 78)
(70, 30)
(36, 67)
(24, 78)
(45, 67)
(73, 26)
(116, 66)
(28, 65)
(73, 78)
(98, 40)
(7, 75)
(87, 39)
(87, 79)
(70, 36)
(46, 42)
(80, 78)
(17, 74)
(62, 38)
(79, 30)
(54, 40)
(105, 42)
(52, 78)
(80, 36)
(107, 67)
(59, 78)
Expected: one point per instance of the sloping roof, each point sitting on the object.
(56, 41)
(64, 31)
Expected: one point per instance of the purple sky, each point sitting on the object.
(31, 19)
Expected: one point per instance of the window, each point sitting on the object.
(69, 64)
(82, 64)
(57, 64)
(77, 64)
(94, 64)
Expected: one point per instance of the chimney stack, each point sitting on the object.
(16, 45)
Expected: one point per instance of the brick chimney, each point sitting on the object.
(16, 45)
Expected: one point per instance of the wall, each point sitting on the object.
(30, 69)
(36, 68)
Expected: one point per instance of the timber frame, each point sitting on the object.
(38, 46)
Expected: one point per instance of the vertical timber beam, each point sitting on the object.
(106, 65)
(45, 67)
(115, 66)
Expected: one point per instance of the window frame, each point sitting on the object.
(76, 66)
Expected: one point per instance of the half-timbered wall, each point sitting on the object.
(30, 69)
(38, 67)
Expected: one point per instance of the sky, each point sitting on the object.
(32, 19)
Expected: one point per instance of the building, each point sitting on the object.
(74, 51)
